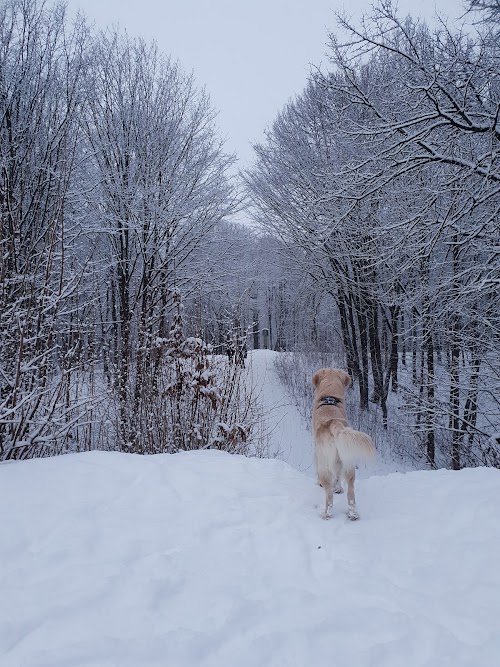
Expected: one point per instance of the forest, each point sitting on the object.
(130, 290)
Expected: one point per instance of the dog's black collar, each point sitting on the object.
(329, 400)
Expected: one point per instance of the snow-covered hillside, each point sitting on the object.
(210, 560)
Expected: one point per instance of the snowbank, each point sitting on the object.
(210, 560)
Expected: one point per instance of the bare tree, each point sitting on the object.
(488, 10)
(381, 181)
(158, 182)
(41, 70)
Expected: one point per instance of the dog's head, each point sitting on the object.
(330, 385)
(332, 376)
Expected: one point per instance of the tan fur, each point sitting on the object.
(337, 447)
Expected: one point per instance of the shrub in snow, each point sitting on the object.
(195, 401)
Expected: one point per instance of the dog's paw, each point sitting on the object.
(338, 489)
(352, 514)
(326, 515)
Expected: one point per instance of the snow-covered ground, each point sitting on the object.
(203, 559)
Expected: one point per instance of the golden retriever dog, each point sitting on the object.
(337, 447)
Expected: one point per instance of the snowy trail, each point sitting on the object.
(289, 434)
(210, 560)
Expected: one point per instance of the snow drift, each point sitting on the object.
(206, 559)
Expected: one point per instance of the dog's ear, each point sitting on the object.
(318, 376)
(346, 378)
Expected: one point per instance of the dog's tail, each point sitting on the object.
(353, 446)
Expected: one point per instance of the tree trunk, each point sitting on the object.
(454, 422)
(394, 360)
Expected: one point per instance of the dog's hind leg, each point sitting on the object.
(325, 481)
(337, 482)
(352, 513)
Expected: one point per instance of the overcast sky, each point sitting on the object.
(251, 55)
